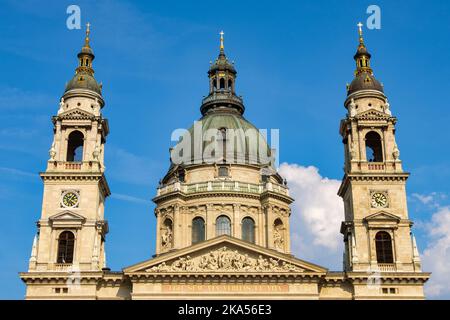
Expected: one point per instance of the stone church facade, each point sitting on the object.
(222, 210)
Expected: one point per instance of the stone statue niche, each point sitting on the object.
(167, 234)
(278, 234)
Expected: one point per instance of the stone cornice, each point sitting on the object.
(370, 177)
(65, 176)
(49, 277)
(257, 277)
(386, 277)
(210, 194)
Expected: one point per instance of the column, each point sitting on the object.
(236, 224)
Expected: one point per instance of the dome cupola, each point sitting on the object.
(84, 73)
(222, 77)
(364, 78)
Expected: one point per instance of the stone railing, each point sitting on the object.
(222, 95)
(231, 186)
(85, 166)
(376, 166)
(63, 267)
(386, 267)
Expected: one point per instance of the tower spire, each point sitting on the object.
(364, 78)
(86, 55)
(222, 80)
(362, 56)
(360, 32)
(84, 72)
(88, 31)
(221, 41)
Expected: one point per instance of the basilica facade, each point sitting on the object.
(222, 210)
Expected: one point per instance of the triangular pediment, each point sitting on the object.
(225, 254)
(373, 114)
(76, 113)
(67, 216)
(382, 216)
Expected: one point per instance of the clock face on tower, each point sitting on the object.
(379, 199)
(70, 199)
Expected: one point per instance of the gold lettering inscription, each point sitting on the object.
(225, 288)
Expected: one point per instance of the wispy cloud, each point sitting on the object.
(431, 200)
(18, 173)
(128, 167)
(128, 198)
(18, 99)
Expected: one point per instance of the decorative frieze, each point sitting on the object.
(225, 259)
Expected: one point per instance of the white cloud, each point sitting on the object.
(436, 256)
(316, 216)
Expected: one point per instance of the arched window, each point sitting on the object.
(374, 150)
(230, 85)
(248, 230)
(198, 230)
(66, 242)
(222, 83)
(223, 226)
(215, 84)
(75, 147)
(383, 244)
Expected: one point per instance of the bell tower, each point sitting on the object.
(377, 229)
(72, 227)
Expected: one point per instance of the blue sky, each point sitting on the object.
(293, 61)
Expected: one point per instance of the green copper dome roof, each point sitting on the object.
(249, 146)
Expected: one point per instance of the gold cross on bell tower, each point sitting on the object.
(360, 25)
(221, 40)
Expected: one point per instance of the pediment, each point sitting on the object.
(67, 216)
(373, 114)
(382, 216)
(77, 114)
(225, 254)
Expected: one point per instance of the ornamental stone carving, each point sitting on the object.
(166, 237)
(352, 108)
(52, 152)
(226, 259)
(278, 240)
